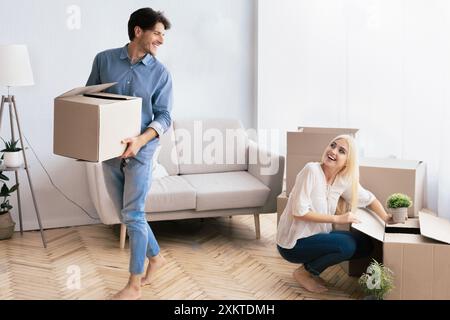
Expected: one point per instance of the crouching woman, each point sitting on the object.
(305, 235)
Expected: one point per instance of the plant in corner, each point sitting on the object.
(398, 204)
(11, 154)
(377, 281)
(7, 224)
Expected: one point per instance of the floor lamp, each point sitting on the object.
(15, 71)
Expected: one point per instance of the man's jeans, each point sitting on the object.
(323, 250)
(128, 184)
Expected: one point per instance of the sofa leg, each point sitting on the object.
(123, 235)
(257, 226)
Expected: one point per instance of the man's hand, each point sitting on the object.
(345, 218)
(134, 145)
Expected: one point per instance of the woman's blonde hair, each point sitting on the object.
(350, 171)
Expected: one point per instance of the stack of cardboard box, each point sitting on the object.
(421, 265)
(382, 177)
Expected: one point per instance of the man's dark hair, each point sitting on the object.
(146, 19)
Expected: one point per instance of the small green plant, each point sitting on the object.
(378, 281)
(398, 200)
(11, 146)
(5, 192)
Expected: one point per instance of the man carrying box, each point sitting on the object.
(137, 73)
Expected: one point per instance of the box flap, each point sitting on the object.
(429, 211)
(336, 131)
(88, 89)
(370, 224)
(109, 96)
(410, 223)
(390, 163)
(434, 227)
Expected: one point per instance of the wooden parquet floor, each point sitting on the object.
(216, 258)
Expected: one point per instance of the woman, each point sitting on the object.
(305, 232)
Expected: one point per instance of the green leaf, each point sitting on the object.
(4, 192)
(14, 188)
(3, 177)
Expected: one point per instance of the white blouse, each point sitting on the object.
(312, 193)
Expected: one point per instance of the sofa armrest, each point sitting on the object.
(267, 167)
(107, 210)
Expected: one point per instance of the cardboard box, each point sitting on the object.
(90, 125)
(384, 177)
(420, 262)
(307, 145)
(357, 267)
(281, 204)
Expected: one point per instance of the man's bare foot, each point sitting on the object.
(128, 293)
(154, 263)
(307, 281)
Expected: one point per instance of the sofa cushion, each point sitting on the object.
(170, 193)
(168, 157)
(158, 170)
(214, 145)
(227, 190)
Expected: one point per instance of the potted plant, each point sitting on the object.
(377, 281)
(11, 154)
(398, 204)
(7, 224)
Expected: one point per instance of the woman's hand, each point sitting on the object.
(378, 208)
(345, 218)
(388, 219)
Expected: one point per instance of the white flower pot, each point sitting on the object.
(12, 159)
(399, 215)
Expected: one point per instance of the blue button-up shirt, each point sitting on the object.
(148, 79)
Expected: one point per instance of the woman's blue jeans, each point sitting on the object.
(128, 184)
(323, 250)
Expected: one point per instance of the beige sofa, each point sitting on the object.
(213, 170)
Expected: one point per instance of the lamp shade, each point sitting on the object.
(15, 67)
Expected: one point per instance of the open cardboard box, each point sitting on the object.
(307, 145)
(420, 262)
(90, 125)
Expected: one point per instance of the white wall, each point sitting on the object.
(210, 51)
(379, 65)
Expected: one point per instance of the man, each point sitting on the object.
(138, 73)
